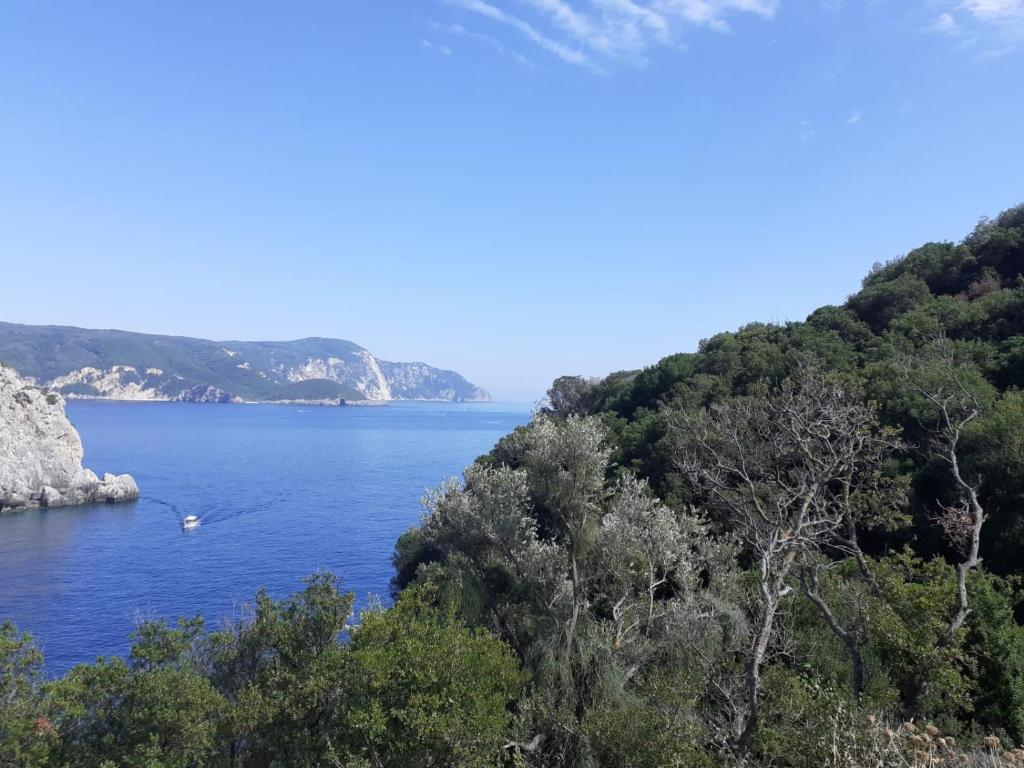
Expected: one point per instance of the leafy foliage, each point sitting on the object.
(842, 503)
(412, 687)
(798, 546)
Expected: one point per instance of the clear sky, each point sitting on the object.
(515, 189)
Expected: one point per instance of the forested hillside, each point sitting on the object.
(123, 365)
(800, 545)
(773, 549)
(971, 293)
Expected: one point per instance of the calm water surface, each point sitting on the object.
(282, 491)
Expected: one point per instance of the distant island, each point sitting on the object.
(123, 365)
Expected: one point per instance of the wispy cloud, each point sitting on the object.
(522, 60)
(442, 49)
(457, 30)
(807, 131)
(944, 24)
(995, 11)
(614, 27)
(568, 20)
(472, 35)
(645, 17)
(998, 23)
(712, 11)
(855, 117)
(1005, 16)
(585, 32)
(564, 52)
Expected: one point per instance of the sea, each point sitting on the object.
(282, 491)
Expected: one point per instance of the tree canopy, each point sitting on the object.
(798, 546)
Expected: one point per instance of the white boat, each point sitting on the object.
(190, 521)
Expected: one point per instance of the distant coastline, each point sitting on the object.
(324, 403)
(82, 363)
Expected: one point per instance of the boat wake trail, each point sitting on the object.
(215, 515)
(172, 507)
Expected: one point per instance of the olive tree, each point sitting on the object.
(782, 468)
(589, 579)
(951, 394)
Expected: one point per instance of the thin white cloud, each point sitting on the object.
(1001, 22)
(944, 24)
(442, 49)
(807, 131)
(712, 13)
(1006, 17)
(995, 11)
(585, 31)
(564, 52)
(523, 61)
(568, 20)
(616, 27)
(644, 16)
(458, 30)
(855, 117)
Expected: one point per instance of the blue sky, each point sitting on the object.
(515, 189)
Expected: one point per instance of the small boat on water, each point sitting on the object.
(190, 521)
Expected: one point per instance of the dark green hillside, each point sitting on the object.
(319, 389)
(972, 292)
(46, 352)
(775, 549)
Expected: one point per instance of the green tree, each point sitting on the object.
(158, 711)
(25, 733)
(284, 675)
(427, 691)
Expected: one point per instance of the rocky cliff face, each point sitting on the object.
(359, 370)
(419, 381)
(41, 453)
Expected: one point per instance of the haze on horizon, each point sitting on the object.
(513, 189)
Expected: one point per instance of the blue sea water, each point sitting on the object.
(282, 491)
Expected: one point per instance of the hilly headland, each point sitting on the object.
(123, 365)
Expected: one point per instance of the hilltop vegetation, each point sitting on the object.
(971, 293)
(752, 547)
(799, 546)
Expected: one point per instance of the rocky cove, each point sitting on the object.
(41, 453)
(282, 490)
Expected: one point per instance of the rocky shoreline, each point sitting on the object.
(338, 403)
(41, 453)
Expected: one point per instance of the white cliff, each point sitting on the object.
(41, 453)
(376, 384)
(119, 382)
(362, 373)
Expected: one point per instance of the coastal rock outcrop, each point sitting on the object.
(206, 394)
(41, 453)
